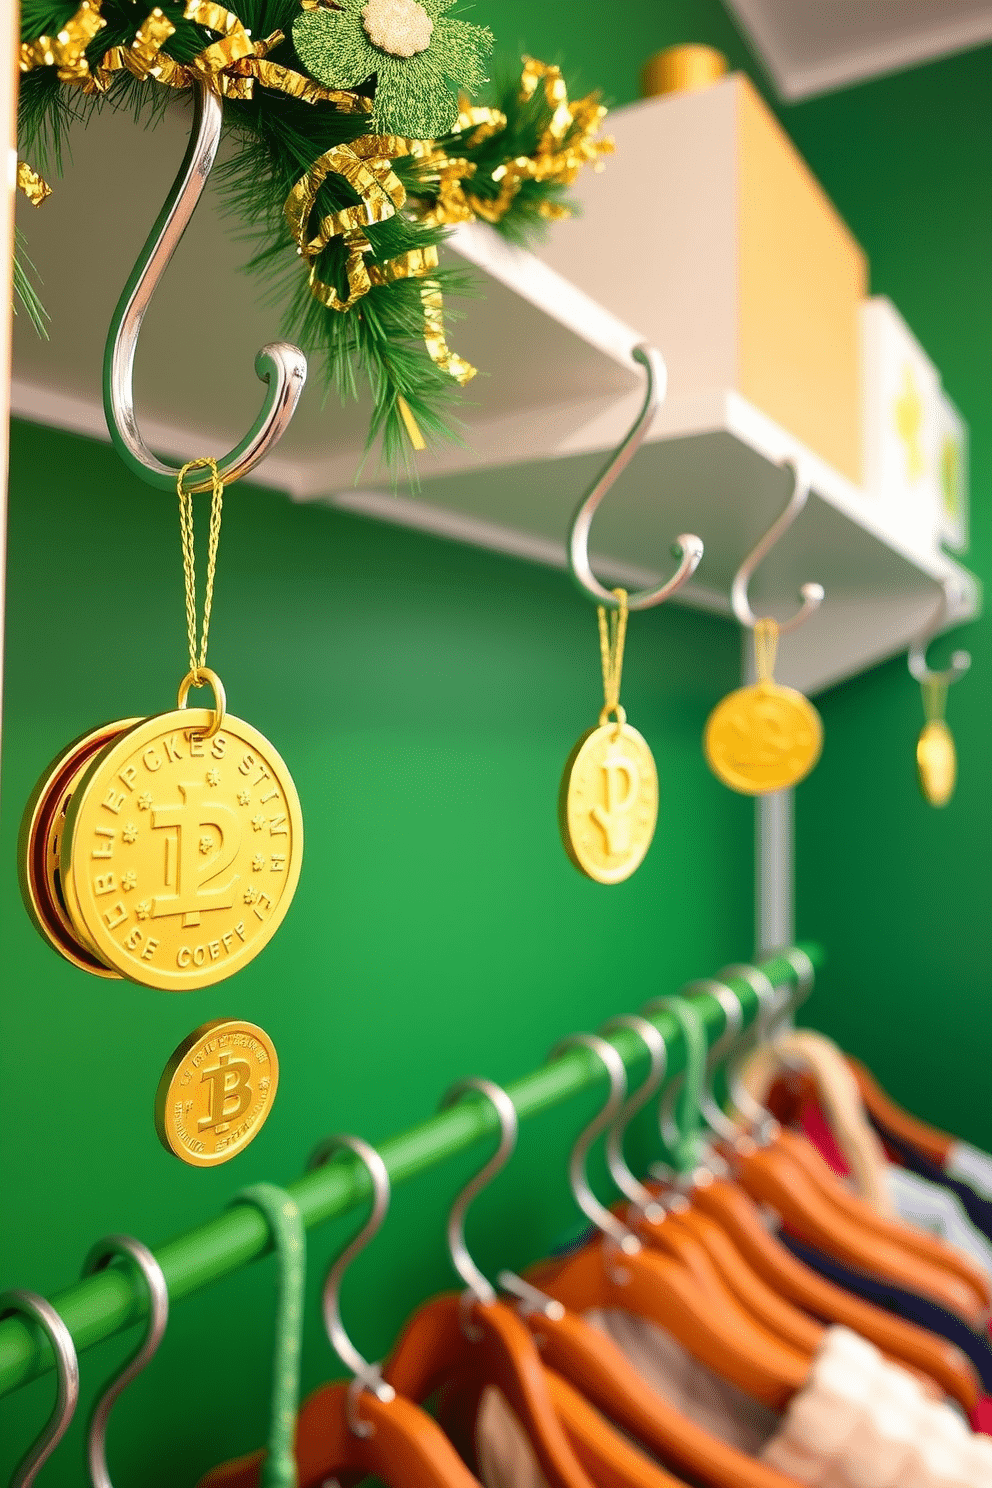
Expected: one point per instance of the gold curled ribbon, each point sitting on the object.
(366, 165)
(33, 186)
(66, 51)
(567, 144)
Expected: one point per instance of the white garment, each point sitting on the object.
(972, 1166)
(858, 1422)
(930, 1207)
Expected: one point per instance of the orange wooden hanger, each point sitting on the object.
(932, 1143)
(351, 1430)
(770, 1171)
(682, 1232)
(929, 1247)
(593, 1363)
(615, 1270)
(739, 1217)
(736, 1214)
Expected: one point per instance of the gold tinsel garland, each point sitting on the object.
(233, 64)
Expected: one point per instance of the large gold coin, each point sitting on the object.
(763, 738)
(42, 825)
(216, 1092)
(181, 850)
(608, 802)
(936, 762)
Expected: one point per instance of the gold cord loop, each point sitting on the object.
(765, 649)
(201, 679)
(612, 635)
(197, 665)
(934, 690)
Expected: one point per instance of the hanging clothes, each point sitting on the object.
(858, 1420)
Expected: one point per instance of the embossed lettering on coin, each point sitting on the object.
(936, 762)
(608, 803)
(216, 1092)
(181, 853)
(763, 738)
(38, 847)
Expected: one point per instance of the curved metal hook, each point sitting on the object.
(917, 659)
(620, 1171)
(810, 594)
(581, 1190)
(101, 1255)
(67, 1364)
(506, 1111)
(280, 364)
(770, 1005)
(733, 1020)
(688, 548)
(367, 1376)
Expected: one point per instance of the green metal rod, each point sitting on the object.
(112, 1300)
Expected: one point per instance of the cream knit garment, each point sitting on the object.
(858, 1422)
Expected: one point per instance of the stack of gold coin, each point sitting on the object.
(166, 849)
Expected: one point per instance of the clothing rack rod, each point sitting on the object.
(112, 1300)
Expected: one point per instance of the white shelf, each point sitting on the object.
(556, 390)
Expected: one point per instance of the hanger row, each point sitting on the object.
(114, 1296)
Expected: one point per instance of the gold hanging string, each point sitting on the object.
(612, 635)
(934, 692)
(765, 649)
(196, 665)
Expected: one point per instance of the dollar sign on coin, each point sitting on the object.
(182, 847)
(936, 762)
(216, 1092)
(608, 802)
(763, 738)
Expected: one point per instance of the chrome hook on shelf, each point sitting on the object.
(917, 659)
(688, 548)
(43, 1313)
(810, 594)
(280, 364)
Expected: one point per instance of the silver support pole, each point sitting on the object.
(774, 872)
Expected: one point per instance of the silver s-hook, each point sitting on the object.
(280, 364)
(620, 1171)
(367, 1376)
(141, 1258)
(810, 594)
(687, 548)
(67, 1364)
(582, 1192)
(917, 659)
(506, 1111)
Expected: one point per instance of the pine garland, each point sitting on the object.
(510, 165)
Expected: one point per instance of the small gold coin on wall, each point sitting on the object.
(608, 803)
(216, 1092)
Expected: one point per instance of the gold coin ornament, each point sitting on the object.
(216, 1092)
(936, 756)
(766, 737)
(182, 847)
(608, 801)
(165, 849)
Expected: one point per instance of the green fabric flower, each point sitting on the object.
(417, 54)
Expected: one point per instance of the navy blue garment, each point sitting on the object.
(978, 1210)
(904, 1303)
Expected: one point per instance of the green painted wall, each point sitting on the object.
(900, 892)
(425, 696)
